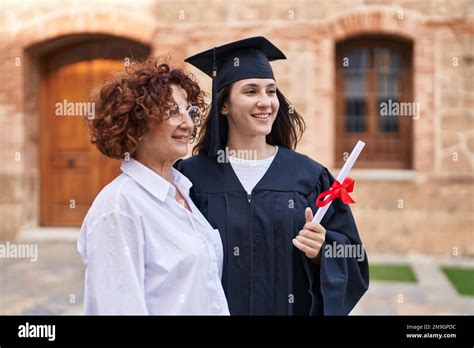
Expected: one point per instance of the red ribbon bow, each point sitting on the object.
(337, 191)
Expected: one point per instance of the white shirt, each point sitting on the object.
(147, 254)
(250, 172)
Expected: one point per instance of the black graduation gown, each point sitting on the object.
(263, 273)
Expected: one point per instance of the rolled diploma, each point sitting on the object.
(341, 176)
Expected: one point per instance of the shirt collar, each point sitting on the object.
(153, 182)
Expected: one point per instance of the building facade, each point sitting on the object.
(396, 74)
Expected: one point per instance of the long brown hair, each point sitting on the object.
(287, 128)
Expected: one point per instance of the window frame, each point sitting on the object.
(396, 144)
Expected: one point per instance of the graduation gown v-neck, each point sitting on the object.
(263, 273)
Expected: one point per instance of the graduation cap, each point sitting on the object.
(226, 64)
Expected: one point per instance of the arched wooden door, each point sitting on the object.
(72, 170)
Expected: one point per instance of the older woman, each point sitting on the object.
(147, 248)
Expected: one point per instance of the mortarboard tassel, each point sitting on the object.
(215, 137)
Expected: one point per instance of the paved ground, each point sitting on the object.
(54, 283)
(432, 294)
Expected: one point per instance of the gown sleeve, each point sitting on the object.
(341, 280)
(113, 251)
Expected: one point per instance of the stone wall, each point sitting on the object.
(437, 202)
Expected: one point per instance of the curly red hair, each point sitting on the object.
(129, 103)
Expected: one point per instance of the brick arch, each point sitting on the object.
(136, 28)
(381, 20)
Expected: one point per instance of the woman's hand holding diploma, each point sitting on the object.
(311, 238)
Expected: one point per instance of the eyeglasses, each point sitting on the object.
(176, 114)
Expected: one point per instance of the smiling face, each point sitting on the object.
(252, 107)
(166, 141)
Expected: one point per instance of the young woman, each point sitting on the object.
(147, 248)
(260, 194)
